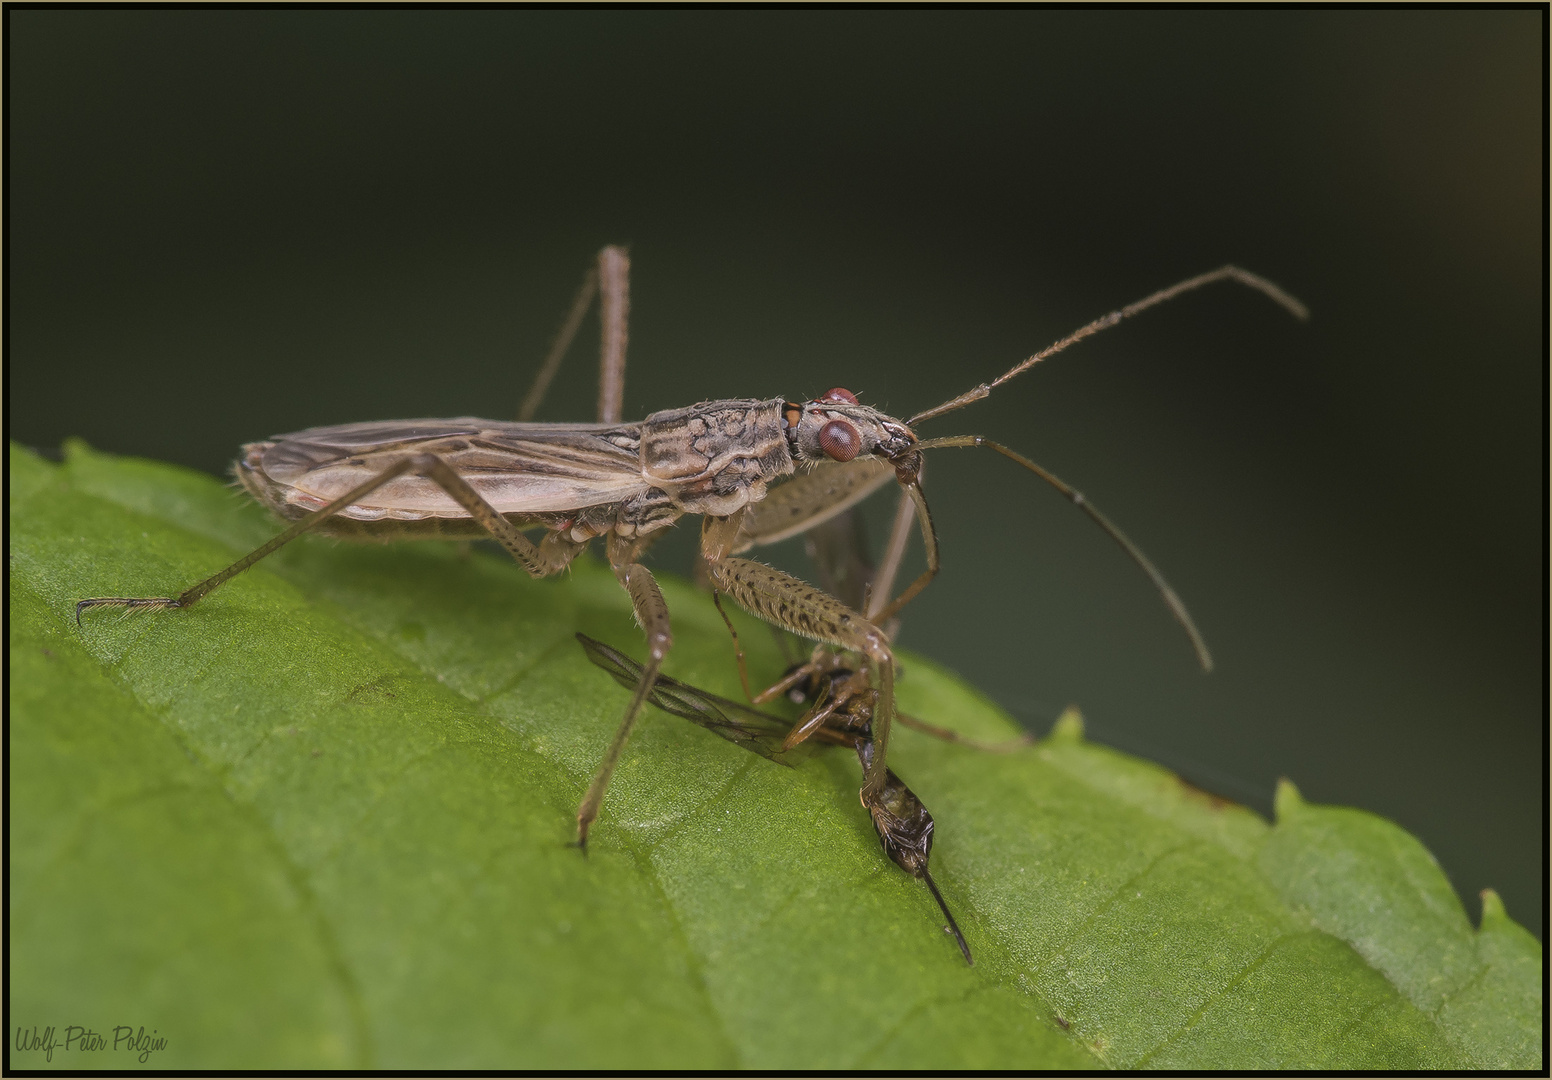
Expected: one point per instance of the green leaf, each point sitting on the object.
(321, 820)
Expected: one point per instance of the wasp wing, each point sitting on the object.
(902, 822)
(755, 731)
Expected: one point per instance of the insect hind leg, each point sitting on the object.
(550, 556)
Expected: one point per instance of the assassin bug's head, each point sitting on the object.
(834, 427)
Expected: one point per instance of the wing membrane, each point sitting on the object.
(755, 731)
(902, 822)
(518, 468)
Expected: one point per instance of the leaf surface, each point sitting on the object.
(320, 820)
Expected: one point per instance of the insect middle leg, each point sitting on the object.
(652, 613)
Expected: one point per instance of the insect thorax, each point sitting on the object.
(716, 457)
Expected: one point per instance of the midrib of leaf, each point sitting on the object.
(646, 822)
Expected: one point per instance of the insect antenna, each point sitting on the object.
(1223, 273)
(1176, 606)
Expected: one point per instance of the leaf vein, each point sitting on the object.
(738, 774)
(693, 960)
(1362, 1018)
(1239, 977)
(73, 835)
(1476, 976)
(517, 678)
(1107, 903)
(323, 928)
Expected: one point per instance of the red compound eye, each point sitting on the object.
(839, 395)
(839, 440)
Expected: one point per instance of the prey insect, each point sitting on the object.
(755, 471)
(840, 714)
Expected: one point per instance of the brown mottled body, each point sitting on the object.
(585, 480)
(626, 482)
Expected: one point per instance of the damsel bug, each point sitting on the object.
(757, 471)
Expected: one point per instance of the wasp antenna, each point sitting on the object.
(1224, 273)
(1176, 606)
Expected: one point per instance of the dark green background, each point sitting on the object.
(227, 224)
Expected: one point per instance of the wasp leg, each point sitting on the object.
(817, 716)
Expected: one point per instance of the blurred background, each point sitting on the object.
(229, 224)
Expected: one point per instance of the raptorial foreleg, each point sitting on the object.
(795, 605)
